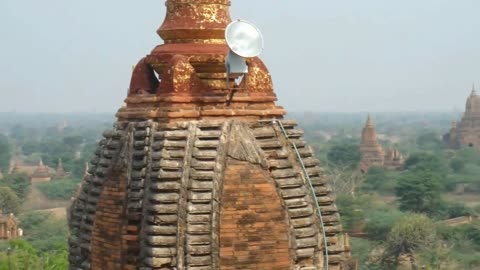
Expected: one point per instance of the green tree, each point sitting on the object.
(9, 202)
(5, 153)
(347, 155)
(410, 235)
(446, 210)
(457, 165)
(73, 141)
(469, 155)
(463, 232)
(361, 251)
(60, 189)
(375, 177)
(19, 133)
(19, 183)
(430, 141)
(23, 256)
(350, 209)
(45, 232)
(438, 256)
(380, 223)
(426, 161)
(30, 147)
(436, 164)
(418, 191)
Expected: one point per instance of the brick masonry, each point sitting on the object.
(202, 195)
(107, 234)
(189, 158)
(253, 227)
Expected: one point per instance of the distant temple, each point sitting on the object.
(18, 167)
(466, 132)
(62, 126)
(60, 170)
(373, 153)
(60, 173)
(8, 227)
(39, 173)
(199, 172)
(393, 159)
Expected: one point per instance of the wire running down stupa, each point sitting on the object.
(197, 174)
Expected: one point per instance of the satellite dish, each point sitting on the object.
(245, 41)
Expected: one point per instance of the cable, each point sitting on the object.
(319, 212)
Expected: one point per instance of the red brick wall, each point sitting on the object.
(253, 227)
(106, 245)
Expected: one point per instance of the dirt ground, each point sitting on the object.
(470, 200)
(38, 201)
(59, 213)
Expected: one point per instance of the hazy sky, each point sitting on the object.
(346, 55)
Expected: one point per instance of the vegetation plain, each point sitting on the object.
(396, 218)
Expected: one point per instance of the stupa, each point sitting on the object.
(41, 173)
(465, 133)
(60, 172)
(373, 153)
(394, 160)
(201, 174)
(371, 150)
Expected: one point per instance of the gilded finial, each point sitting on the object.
(193, 21)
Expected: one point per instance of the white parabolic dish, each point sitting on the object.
(244, 39)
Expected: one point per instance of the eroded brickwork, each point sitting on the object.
(107, 234)
(253, 227)
(196, 175)
(177, 196)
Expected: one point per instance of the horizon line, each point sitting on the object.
(288, 112)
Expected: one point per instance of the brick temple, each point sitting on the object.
(197, 174)
(8, 227)
(465, 133)
(373, 153)
(39, 173)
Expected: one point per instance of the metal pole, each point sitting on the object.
(9, 250)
